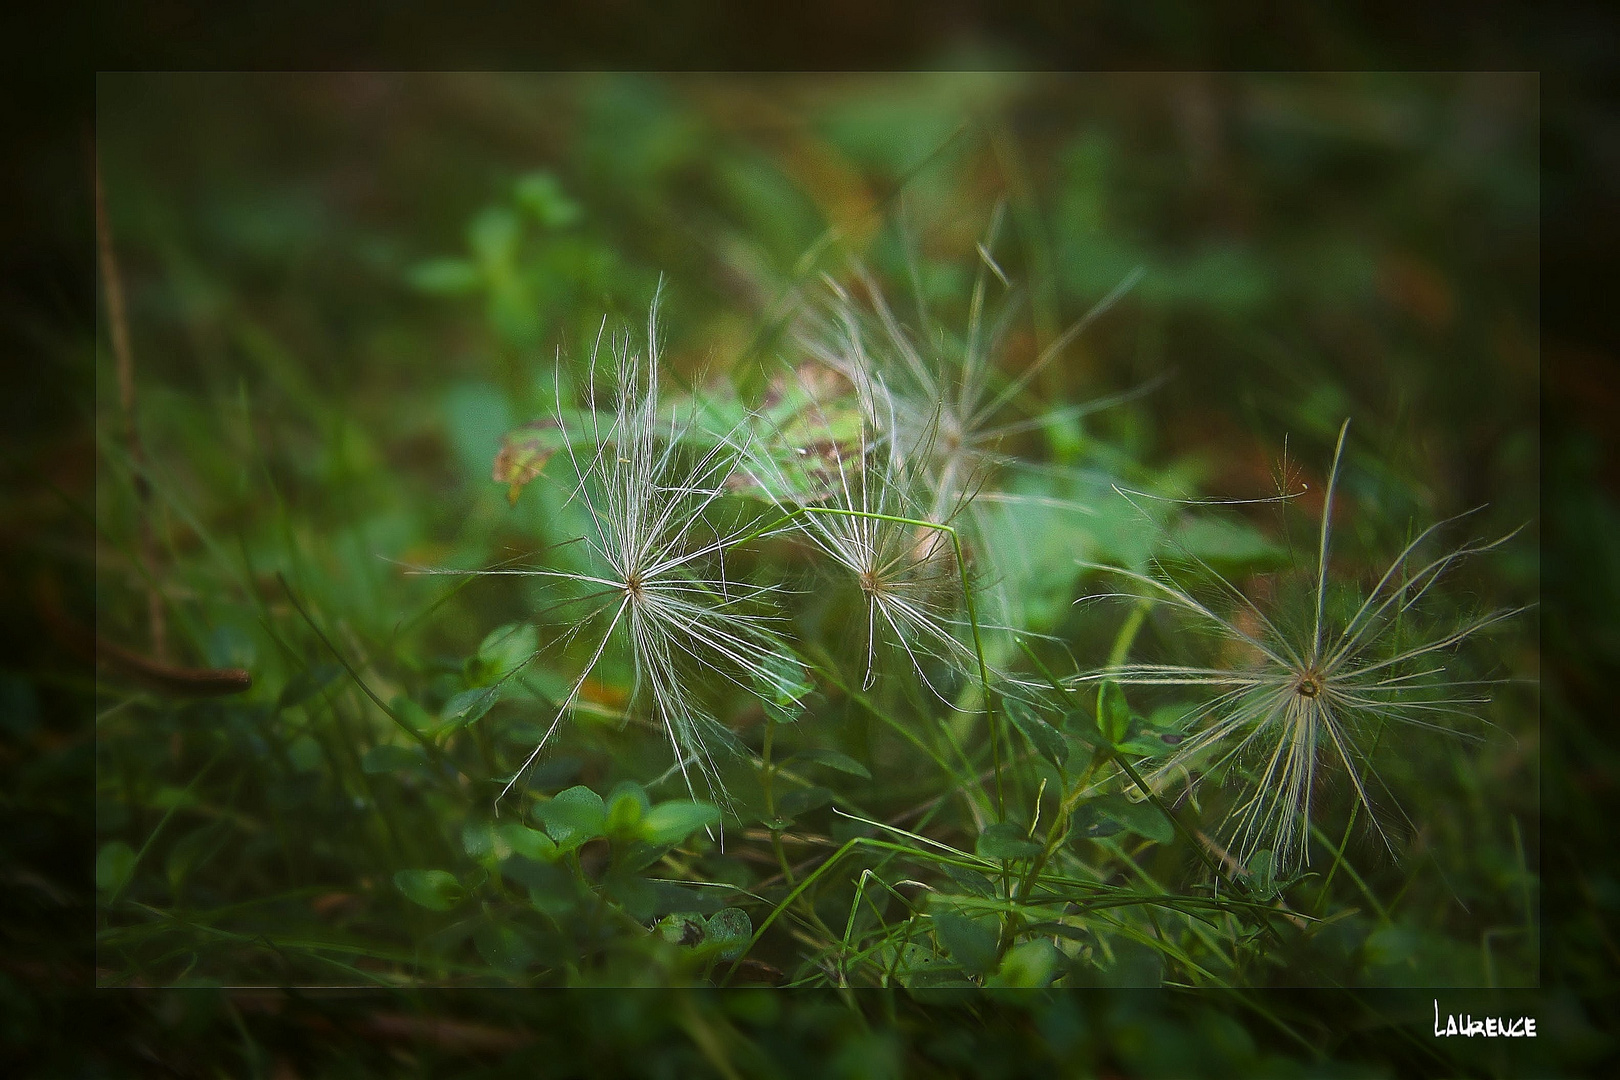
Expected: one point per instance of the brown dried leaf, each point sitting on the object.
(524, 453)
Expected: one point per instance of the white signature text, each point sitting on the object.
(1492, 1027)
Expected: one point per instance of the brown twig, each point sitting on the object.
(124, 357)
(159, 677)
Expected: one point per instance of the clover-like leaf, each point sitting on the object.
(445, 277)
(573, 817)
(1262, 879)
(681, 928)
(798, 803)
(437, 890)
(1028, 964)
(728, 931)
(671, 822)
(1110, 813)
(530, 843)
(626, 806)
(503, 946)
(506, 648)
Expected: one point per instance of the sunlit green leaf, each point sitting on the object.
(1028, 964)
(626, 806)
(469, 706)
(674, 821)
(573, 817)
(530, 843)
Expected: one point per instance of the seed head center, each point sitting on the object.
(1309, 685)
(633, 585)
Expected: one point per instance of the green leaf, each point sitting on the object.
(728, 932)
(437, 890)
(626, 806)
(542, 195)
(783, 687)
(573, 817)
(445, 277)
(1143, 741)
(169, 797)
(970, 943)
(115, 862)
(681, 928)
(306, 754)
(671, 822)
(1028, 964)
(970, 881)
(834, 760)
(1262, 874)
(415, 717)
(530, 843)
(1170, 717)
(1046, 739)
(1005, 841)
(1113, 713)
(478, 841)
(503, 946)
(1080, 724)
(493, 235)
(802, 801)
(1135, 965)
(390, 758)
(507, 648)
(1142, 818)
(469, 706)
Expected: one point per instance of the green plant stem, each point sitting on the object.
(767, 780)
(973, 621)
(164, 820)
(1125, 766)
(427, 744)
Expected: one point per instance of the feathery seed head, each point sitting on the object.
(1314, 695)
(649, 483)
(857, 501)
